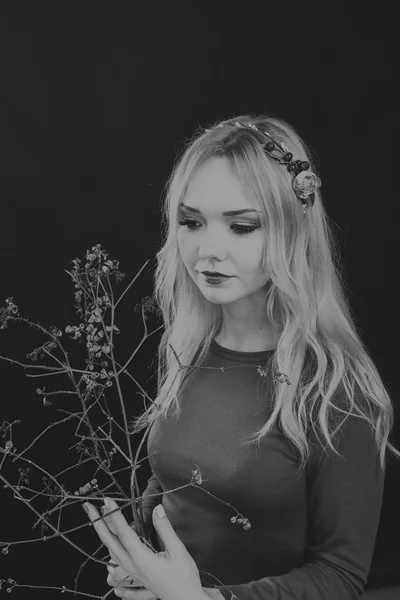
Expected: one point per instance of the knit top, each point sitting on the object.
(306, 535)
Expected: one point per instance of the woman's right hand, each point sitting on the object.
(130, 589)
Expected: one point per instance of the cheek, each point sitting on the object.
(186, 255)
(187, 248)
(181, 245)
(250, 255)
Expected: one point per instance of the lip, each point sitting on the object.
(212, 280)
(214, 274)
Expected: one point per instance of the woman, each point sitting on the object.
(263, 380)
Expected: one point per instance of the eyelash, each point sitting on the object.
(238, 229)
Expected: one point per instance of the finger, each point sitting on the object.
(117, 575)
(112, 564)
(120, 576)
(113, 559)
(111, 541)
(111, 527)
(129, 582)
(108, 520)
(135, 594)
(128, 537)
(117, 572)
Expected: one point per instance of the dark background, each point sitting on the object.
(96, 102)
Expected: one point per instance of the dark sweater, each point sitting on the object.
(312, 535)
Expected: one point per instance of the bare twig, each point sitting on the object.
(97, 452)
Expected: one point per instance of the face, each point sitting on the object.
(232, 245)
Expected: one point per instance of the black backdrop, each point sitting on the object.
(96, 100)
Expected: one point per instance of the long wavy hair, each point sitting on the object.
(319, 348)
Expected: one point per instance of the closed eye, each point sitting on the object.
(238, 229)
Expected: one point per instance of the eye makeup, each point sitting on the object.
(235, 227)
(228, 213)
(182, 213)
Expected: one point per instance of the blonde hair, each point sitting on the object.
(319, 348)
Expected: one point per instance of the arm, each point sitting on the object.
(344, 499)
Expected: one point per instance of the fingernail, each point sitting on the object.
(106, 504)
(85, 508)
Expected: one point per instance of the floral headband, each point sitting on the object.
(305, 182)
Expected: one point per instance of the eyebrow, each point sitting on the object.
(227, 213)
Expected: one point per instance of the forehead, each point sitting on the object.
(215, 188)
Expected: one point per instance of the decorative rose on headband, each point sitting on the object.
(305, 184)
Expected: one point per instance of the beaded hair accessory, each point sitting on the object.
(304, 182)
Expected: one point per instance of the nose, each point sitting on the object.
(211, 257)
(210, 251)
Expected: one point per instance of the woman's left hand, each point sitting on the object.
(170, 575)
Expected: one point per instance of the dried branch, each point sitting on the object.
(98, 449)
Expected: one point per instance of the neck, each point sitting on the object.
(259, 342)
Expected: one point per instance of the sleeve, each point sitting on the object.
(150, 501)
(345, 499)
(151, 497)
